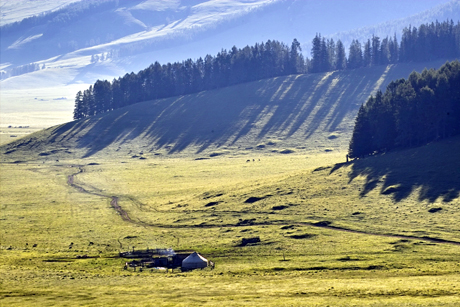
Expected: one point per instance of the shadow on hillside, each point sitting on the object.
(278, 107)
(431, 171)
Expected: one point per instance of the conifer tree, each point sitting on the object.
(375, 51)
(341, 61)
(331, 55)
(421, 109)
(367, 54)
(361, 140)
(78, 111)
(316, 54)
(295, 59)
(355, 55)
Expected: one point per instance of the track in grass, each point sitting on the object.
(113, 199)
(114, 202)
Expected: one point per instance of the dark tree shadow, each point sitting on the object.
(433, 170)
(295, 106)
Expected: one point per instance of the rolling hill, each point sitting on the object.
(74, 46)
(297, 113)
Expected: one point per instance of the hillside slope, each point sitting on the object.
(304, 113)
(78, 47)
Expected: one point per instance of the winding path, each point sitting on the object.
(125, 217)
(113, 199)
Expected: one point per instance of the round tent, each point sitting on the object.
(194, 261)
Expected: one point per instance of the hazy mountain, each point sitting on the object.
(17, 10)
(63, 49)
(129, 35)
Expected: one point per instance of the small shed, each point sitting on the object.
(194, 261)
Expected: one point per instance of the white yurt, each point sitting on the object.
(194, 261)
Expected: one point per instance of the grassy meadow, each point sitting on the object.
(202, 172)
(8, 135)
(383, 246)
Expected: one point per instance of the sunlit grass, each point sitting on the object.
(202, 205)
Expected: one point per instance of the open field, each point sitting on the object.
(201, 172)
(363, 233)
(11, 134)
(35, 106)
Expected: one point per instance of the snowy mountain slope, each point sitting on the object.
(126, 29)
(17, 10)
(90, 40)
(443, 12)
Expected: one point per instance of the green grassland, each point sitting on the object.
(201, 172)
(382, 247)
(8, 135)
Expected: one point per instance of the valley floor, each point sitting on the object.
(398, 252)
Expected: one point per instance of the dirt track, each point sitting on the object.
(113, 199)
(114, 202)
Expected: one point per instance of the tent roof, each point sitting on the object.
(195, 258)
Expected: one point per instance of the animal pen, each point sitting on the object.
(165, 259)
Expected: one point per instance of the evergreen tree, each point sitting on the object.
(421, 109)
(361, 140)
(331, 55)
(88, 102)
(341, 61)
(102, 93)
(79, 111)
(384, 52)
(375, 51)
(295, 58)
(316, 54)
(367, 55)
(355, 55)
(393, 50)
(324, 56)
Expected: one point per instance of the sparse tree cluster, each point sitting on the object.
(425, 43)
(266, 60)
(20, 70)
(326, 55)
(421, 109)
(260, 61)
(430, 41)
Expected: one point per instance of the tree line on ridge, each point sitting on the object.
(265, 60)
(421, 109)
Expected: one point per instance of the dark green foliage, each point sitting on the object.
(360, 143)
(421, 109)
(430, 41)
(355, 55)
(367, 54)
(265, 60)
(316, 55)
(272, 59)
(341, 59)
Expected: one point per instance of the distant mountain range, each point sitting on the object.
(106, 38)
(63, 45)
